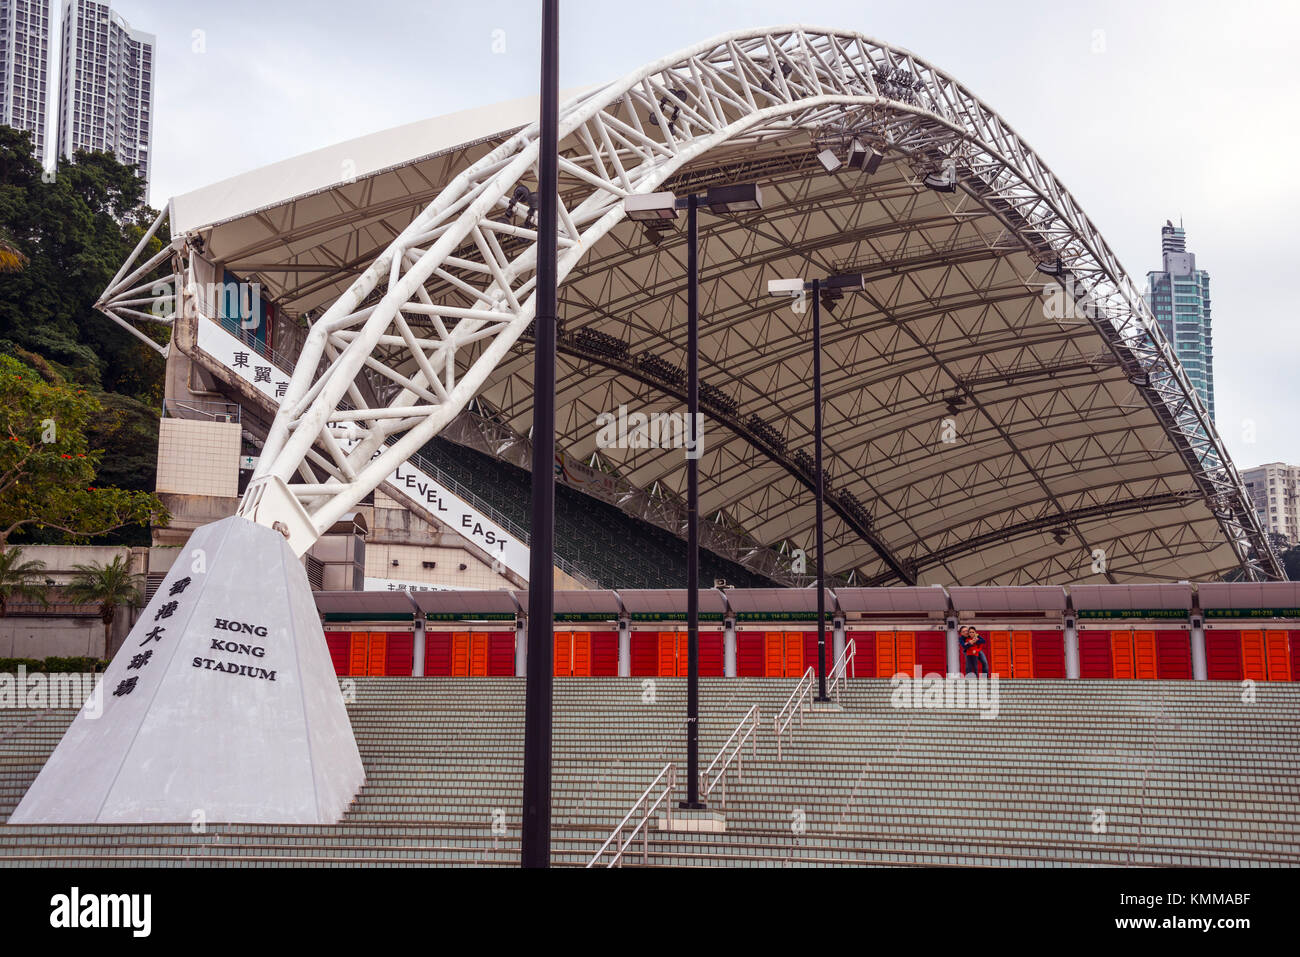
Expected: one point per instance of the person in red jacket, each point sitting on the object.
(973, 643)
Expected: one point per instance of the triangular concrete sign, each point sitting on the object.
(222, 706)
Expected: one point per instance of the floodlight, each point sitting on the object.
(1052, 267)
(854, 282)
(830, 162)
(785, 287)
(944, 181)
(742, 198)
(651, 206)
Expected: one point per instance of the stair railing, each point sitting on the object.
(646, 804)
(844, 668)
(799, 701)
(732, 752)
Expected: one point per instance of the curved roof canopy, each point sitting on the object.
(1001, 406)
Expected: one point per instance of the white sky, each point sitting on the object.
(1145, 110)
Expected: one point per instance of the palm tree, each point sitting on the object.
(108, 586)
(15, 579)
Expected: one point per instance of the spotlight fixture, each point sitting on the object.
(1059, 535)
(830, 162)
(395, 562)
(523, 194)
(944, 181)
(1053, 267)
(865, 158)
(741, 198)
(651, 207)
(955, 404)
(663, 103)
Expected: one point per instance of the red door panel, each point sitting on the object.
(339, 644)
(437, 653)
(1174, 654)
(645, 653)
(1279, 655)
(1252, 655)
(501, 653)
(1049, 654)
(864, 653)
(932, 652)
(1144, 655)
(1094, 655)
(400, 653)
(750, 654)
(604, 653)
(711, 665)
(582, 654)
(886, 662)
(1223, 655)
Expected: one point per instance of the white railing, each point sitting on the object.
(796, 704)
(667, 780)
(844, 668)
(732, 751)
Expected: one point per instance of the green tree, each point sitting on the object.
(47, 467)
(107, 586)
(16, 579)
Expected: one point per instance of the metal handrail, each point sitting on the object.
(668, 788)
(749, 724)
(843, 666)
(794, 705)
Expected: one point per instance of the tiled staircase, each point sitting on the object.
(1084, 773)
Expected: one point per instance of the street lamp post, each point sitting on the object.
(535, 836)
(797, 288)
(659, 209)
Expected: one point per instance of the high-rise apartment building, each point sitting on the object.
(1275, 490)
(1179, 295)
(107, 85)
(25, 67)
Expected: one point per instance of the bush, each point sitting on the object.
(53, 665)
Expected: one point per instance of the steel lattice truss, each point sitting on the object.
(974, 434)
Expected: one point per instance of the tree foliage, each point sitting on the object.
(48, 468)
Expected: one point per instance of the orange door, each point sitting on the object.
(774, 654)
(885, 657)
(1144, 655)
(460, 654)
(358, 657)
(563, 654)
(378, 648)
(1121, 646)
(478, 654)
(667, 653)
(1253, 657)
(794, 666)
(1278, 650)
(1022, 654)
(1001, 660)
(582, 653)
(905, 652)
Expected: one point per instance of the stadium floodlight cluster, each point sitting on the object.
(661, 368)
(600, 343)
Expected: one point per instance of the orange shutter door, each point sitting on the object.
(1022, 654)
(1252, 655)
(582, 653)
(1278, 650)
(905, 652)
(1144, 655)
(683, 654)
(885, 660)
(378, 649)
(563, 654)
(1121, 644)
(460, 654)
(999, 652)
(774, 654)
(357, 657)
(794, 663)
(667, 653)
(478, 653)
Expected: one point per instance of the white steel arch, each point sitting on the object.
(419, 332)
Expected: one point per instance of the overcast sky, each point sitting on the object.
(1145, 110)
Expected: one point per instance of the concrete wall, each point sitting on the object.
(24, 637)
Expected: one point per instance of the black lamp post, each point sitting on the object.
(832, 286)
(535, 837)
(659, 208)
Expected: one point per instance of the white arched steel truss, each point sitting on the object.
(975, 433)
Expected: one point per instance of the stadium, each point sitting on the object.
(1009, 442)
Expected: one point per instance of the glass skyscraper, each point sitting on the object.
(1179, 295)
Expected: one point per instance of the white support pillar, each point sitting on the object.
(1071, 647)
(837, 639)
(521, 646)
(954, 647)
(418, 629)
(729, 647)
(1200, 668)
(624, 648)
